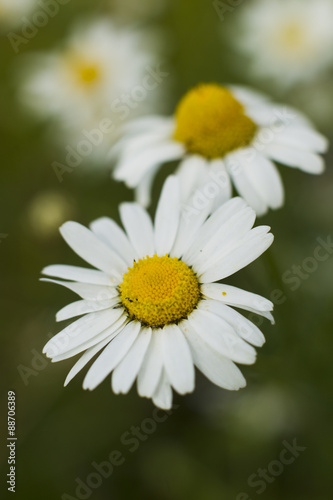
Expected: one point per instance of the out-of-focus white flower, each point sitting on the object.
(102, 73)
(47, 211)
(287, 40)
(12, 11)
(219, 134)
(152, 309)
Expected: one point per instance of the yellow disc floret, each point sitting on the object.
(88, 73)
(158, 291)
(211, 122)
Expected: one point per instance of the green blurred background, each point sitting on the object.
(214, 440)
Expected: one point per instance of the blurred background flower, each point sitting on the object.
(287, 41)
(101, 75)
(217, 132)
(286, 47)
(12, 11)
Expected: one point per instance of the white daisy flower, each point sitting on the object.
(152, 308)
(89, 79)
(221, 132)
(287, 40)
(12, 11)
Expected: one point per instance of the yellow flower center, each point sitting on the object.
(88, 74)
(158, 291)
(292, 36)
(211, 122)
(82, 70)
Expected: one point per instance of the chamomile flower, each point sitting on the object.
(91, 79)
(12, 11)
(152, 309)
(220, 133)
(290, 41)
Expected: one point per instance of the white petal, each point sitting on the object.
(139, 228)
(86, 291)
(304, 160)
(111, 355)
(290, 116)
(147, 123)
(132, 144)
(85, 358)
(132, 169)
(273, 115)
(151, 369)
(195, 211)
(138, 143)
(83, 307)
(236, 297)
(241, 299)
(126, 372)
(263, 174)
(242, 326)
(80, 331)
(177, 359)
(189, 173)
(224, 240)
(237, 167)
(220, 178)
(262, 115)
(162, 396)
(217, 368)
(109, 332)
(302, 138)
(249, 248)
(206, 187)
(167, 216)
(220, 336)
(109, 232)
(92, 250)
(144, 188)
(247, 96)
(191, 221)
(75, 273)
